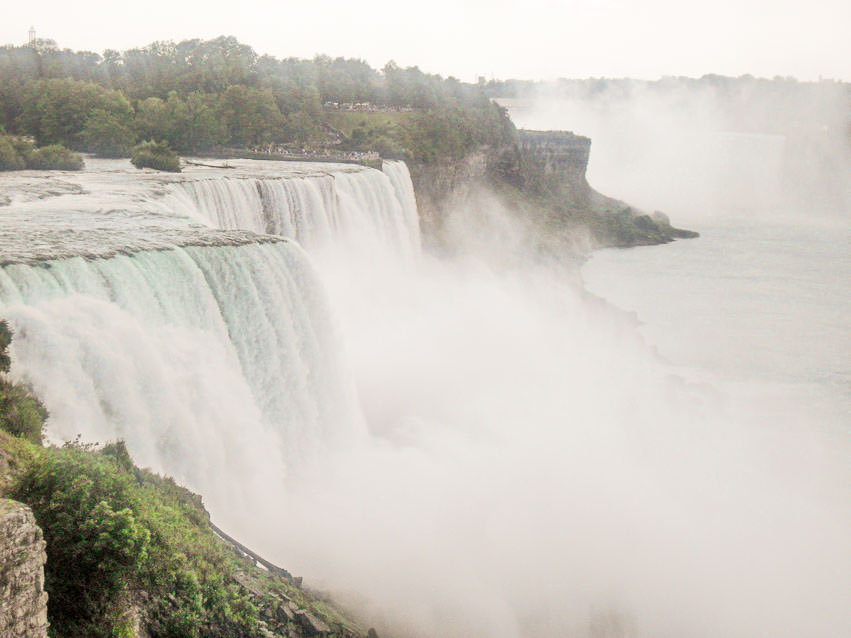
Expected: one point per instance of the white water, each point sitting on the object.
(530, 467)
(213, 353)
(212, 363)
(359, 210)
(536, 470)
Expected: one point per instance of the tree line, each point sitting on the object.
(197, 95)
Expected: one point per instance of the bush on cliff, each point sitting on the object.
(155, 155)
(133, 553)
(21, 414)
(5, 342)
(125, 546)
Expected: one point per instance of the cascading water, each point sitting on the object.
(211, 352)
(528, 466)
(362, 209)
(211, 362)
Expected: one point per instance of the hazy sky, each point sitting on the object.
(533, 39)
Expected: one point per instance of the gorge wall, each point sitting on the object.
(554, 159)
(541, 180)
(23, 602)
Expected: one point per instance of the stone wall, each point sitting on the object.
(23, 602)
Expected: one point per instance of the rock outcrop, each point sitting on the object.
(542, 180)
(23, 602)
(553, 159)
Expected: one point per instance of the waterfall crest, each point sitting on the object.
(361, 208)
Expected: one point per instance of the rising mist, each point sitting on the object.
(706, 148)
(534, 469)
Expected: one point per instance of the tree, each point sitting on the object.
(107, 134)
(56, 111)
(153, 121)
(251, 115)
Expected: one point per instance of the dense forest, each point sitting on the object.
(200, 95)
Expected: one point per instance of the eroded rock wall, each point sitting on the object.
(23, 602)
(554, 159)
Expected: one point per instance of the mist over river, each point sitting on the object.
(759, 302)
(466, 446)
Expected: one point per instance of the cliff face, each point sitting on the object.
(542, 180)
(438, 185)
(23, 603)
(554, 159)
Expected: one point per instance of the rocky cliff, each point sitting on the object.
(554, 159)
(542, 181)
(23, 603)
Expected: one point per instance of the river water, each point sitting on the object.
(765, 304)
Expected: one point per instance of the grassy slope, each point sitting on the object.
(129, 550)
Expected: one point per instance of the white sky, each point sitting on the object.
(535, 39)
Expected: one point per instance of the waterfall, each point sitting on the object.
(360, 208)
(209, 348)
(521, 435)
(211, 362)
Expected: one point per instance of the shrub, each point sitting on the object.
(54, 157)
(17, 154)
(94, 540)
(10, 159)
(21, 414)
(118, 536)
(155, 155)
(5, 340)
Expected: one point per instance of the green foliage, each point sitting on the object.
(17, 154)
(5, 341)
(300, 128)
(251, 115)
(197, 95)
(21, 414)
(118, 536)
(95, 542)
(10, 159)
(126, 547)
(155, 155)
(188, 125)
(54, 157)
(107, 134)
(56, 110)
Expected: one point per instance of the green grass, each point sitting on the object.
(346, 122)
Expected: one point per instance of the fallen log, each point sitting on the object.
(207, 165)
